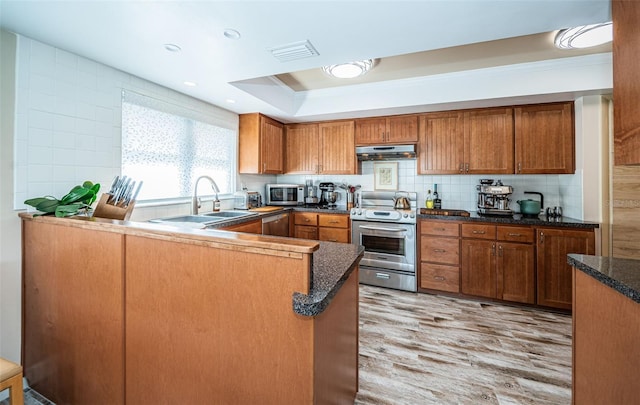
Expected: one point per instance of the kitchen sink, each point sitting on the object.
(228, 214)
(196, 219)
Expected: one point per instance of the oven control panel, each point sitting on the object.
(383, 215)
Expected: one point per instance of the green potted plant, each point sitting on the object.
(78, 200)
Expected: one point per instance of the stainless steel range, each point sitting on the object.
(389, 239)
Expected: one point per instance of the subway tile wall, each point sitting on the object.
(68, 119)
(459, 191)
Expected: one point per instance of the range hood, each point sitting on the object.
(386, 152)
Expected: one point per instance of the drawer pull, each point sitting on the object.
(440, 229)
(333, 240)
(475, 232)
(382, 276)
(439, 250)
(334, 222)
(438, 278)
(307, 220)
(515, 234)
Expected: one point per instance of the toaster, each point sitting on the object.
(244, 200)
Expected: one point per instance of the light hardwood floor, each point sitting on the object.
(427, 349)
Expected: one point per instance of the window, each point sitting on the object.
(168, 148)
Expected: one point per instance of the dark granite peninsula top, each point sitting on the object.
(622, 275)
(332, 265)
(517, 219)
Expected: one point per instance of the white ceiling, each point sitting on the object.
(130, 35)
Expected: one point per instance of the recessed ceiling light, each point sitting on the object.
(584, 36)
(172, 47)
(190, 84)
(230, 101)
(231, 33)
(349, 70)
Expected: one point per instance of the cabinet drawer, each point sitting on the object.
(305, 232)
(333, 221)
(439, 228)
(478, 231)
(515, 234)
(440, 250)
(439, 277)
(333, 235)
(306, 218)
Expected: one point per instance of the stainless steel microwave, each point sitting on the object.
(284, 194)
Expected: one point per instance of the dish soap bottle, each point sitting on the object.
(437, 202)
(429, 202)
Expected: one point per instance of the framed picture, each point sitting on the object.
(385, 176)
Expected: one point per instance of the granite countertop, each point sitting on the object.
(517, 219)
(332, 265)
(623, 275)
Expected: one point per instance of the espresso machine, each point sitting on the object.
(494, 198)
(328, 195)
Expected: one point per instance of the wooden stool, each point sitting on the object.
(11, 377)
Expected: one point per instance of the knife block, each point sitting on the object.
(110, 211)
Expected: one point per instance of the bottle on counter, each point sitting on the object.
(429, 201)
(437, 202)
(216, 205)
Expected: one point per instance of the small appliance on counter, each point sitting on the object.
(284, 194)
(531, 208)
(311, 198)
(328, 195)
(493, 198)
(246, 200)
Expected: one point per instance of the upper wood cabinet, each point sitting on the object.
(544, 139)
(261, 145)
(302, 148)
(466, 142)
(324, 148)
(626, 83)
(382, 130)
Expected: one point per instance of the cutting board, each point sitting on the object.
(266, 209)
(456, 213)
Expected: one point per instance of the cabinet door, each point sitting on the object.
(440, 277)
(488, 141)
(305, 232)
(336, 148)
(516, 272)
(478, 275)
(554, 273)
(402, 129)
(544, 139)
(370, 131)
(302, 149)
(272, 146)
(626, 93)
(441, 143)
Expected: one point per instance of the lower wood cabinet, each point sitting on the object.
(440, 256)
(554, 273)
(324, 227)
(498, 262)
(247, 227)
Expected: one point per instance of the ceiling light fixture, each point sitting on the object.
(230, 33)
(584, 36)
(190, 84)
(349, 70)
(172, 47)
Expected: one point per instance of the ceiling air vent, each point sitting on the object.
(294, 51)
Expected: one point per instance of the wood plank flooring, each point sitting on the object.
(427, 349)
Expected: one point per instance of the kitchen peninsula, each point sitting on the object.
(121, 312)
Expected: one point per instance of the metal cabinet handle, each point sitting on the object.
(461, 167)
(479, 232)
(439, 250)
(332, 240)
(439, 278)
(493, 249)
(466, 167)
(500, 250)
(307, 220)
(515, 234)
(439, 229)
(334, 222)
(264, 167)
(519, 167)
(382, 275)
(541, 237)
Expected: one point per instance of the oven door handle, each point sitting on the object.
(376, 228)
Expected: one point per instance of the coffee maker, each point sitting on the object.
(328, 195)
(493, 198)
(311, 198)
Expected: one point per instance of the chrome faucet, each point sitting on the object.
(195, 201)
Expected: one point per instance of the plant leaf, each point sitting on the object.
(48, 205)
(35, 201)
